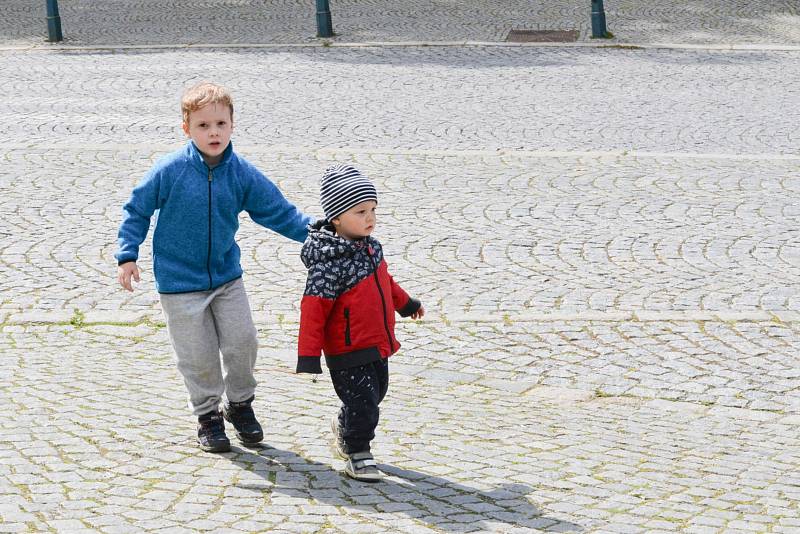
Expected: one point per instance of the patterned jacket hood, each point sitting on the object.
(336, 264)
(323, 245)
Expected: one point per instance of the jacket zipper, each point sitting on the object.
(208, 257)
(347, 326)
(383, 299)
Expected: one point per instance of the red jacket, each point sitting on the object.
(349, 303)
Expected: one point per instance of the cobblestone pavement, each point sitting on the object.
(606, 242)
(118, 22)
(471, 98)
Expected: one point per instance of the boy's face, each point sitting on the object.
(359, 221)
(210, 128)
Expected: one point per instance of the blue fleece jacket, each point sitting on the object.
(197, 215)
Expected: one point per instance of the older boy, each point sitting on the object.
(197, 194)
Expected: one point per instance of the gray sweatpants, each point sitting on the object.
(202, 325)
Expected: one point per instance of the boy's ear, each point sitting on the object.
(185, 126)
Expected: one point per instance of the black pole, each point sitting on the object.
(598, 19)
(324, 25)
(53, 22)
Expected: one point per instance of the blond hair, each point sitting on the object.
(202, 94)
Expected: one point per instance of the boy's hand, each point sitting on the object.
(125, 272)
(419, 313)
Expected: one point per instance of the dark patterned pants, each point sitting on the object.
(361, 389)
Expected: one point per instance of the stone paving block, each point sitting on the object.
(559, 395)
(445, 376)
(41, 317)
(115, 316)
(751, 415)
(509, 385)
(743, 316)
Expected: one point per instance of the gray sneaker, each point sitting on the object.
(361, 466)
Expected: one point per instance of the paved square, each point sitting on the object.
(607, 241)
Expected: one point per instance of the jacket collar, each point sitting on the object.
(196, 158)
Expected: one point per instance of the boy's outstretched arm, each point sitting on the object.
(267, 206)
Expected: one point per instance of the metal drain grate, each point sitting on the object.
(542, 36)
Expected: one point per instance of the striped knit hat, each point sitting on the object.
(343, 187)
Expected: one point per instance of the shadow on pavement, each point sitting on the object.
(465, 58)
(471, 58)
(433, 501)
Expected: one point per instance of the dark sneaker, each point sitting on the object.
(211, 433)
(338, 438)
(362, 466)
(241, 416)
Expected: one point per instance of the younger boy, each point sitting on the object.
(347, 312)
(196, 194)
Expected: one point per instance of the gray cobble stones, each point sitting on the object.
(752, 283)
(269, 21)
(605, 240)
(382, 89)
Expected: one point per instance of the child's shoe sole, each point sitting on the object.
(220, 446)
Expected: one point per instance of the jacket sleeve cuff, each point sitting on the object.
(120, 262)
(411, 307)
(309, 364)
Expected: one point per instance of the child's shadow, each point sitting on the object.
(433, 501)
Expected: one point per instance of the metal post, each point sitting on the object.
(598, 19)
(53, 22)
(324, 25)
